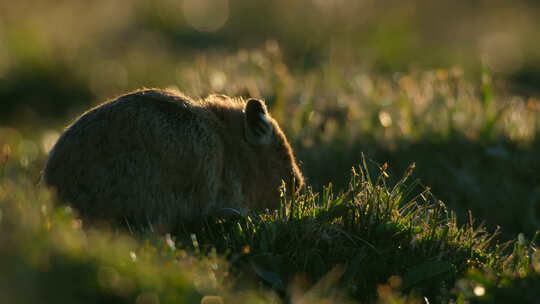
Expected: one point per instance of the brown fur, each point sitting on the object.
(155, 156)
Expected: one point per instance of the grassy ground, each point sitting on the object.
(372, 85)
(372, 242)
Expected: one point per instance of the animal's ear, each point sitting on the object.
(259, 130)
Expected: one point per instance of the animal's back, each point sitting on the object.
(137, 157)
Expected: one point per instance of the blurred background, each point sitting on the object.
(453, 86)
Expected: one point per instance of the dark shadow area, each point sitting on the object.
(498, 180)
(42, 91)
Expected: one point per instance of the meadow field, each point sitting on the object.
(416, 126)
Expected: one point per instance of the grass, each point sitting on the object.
(467, 133)
(373, 242)
(48, 257)
(366, 235)
(448, 86)
(363, 238)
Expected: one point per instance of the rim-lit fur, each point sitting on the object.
(159, 157)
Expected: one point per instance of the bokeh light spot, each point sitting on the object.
(107, 77)
(395, 282)
(385, 119)
(5, 154)
(48, 139)
(206, 15)
(170, 241)
(28, 152)
(479, 291)
(218, 79)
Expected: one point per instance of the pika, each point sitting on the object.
(159, 157)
